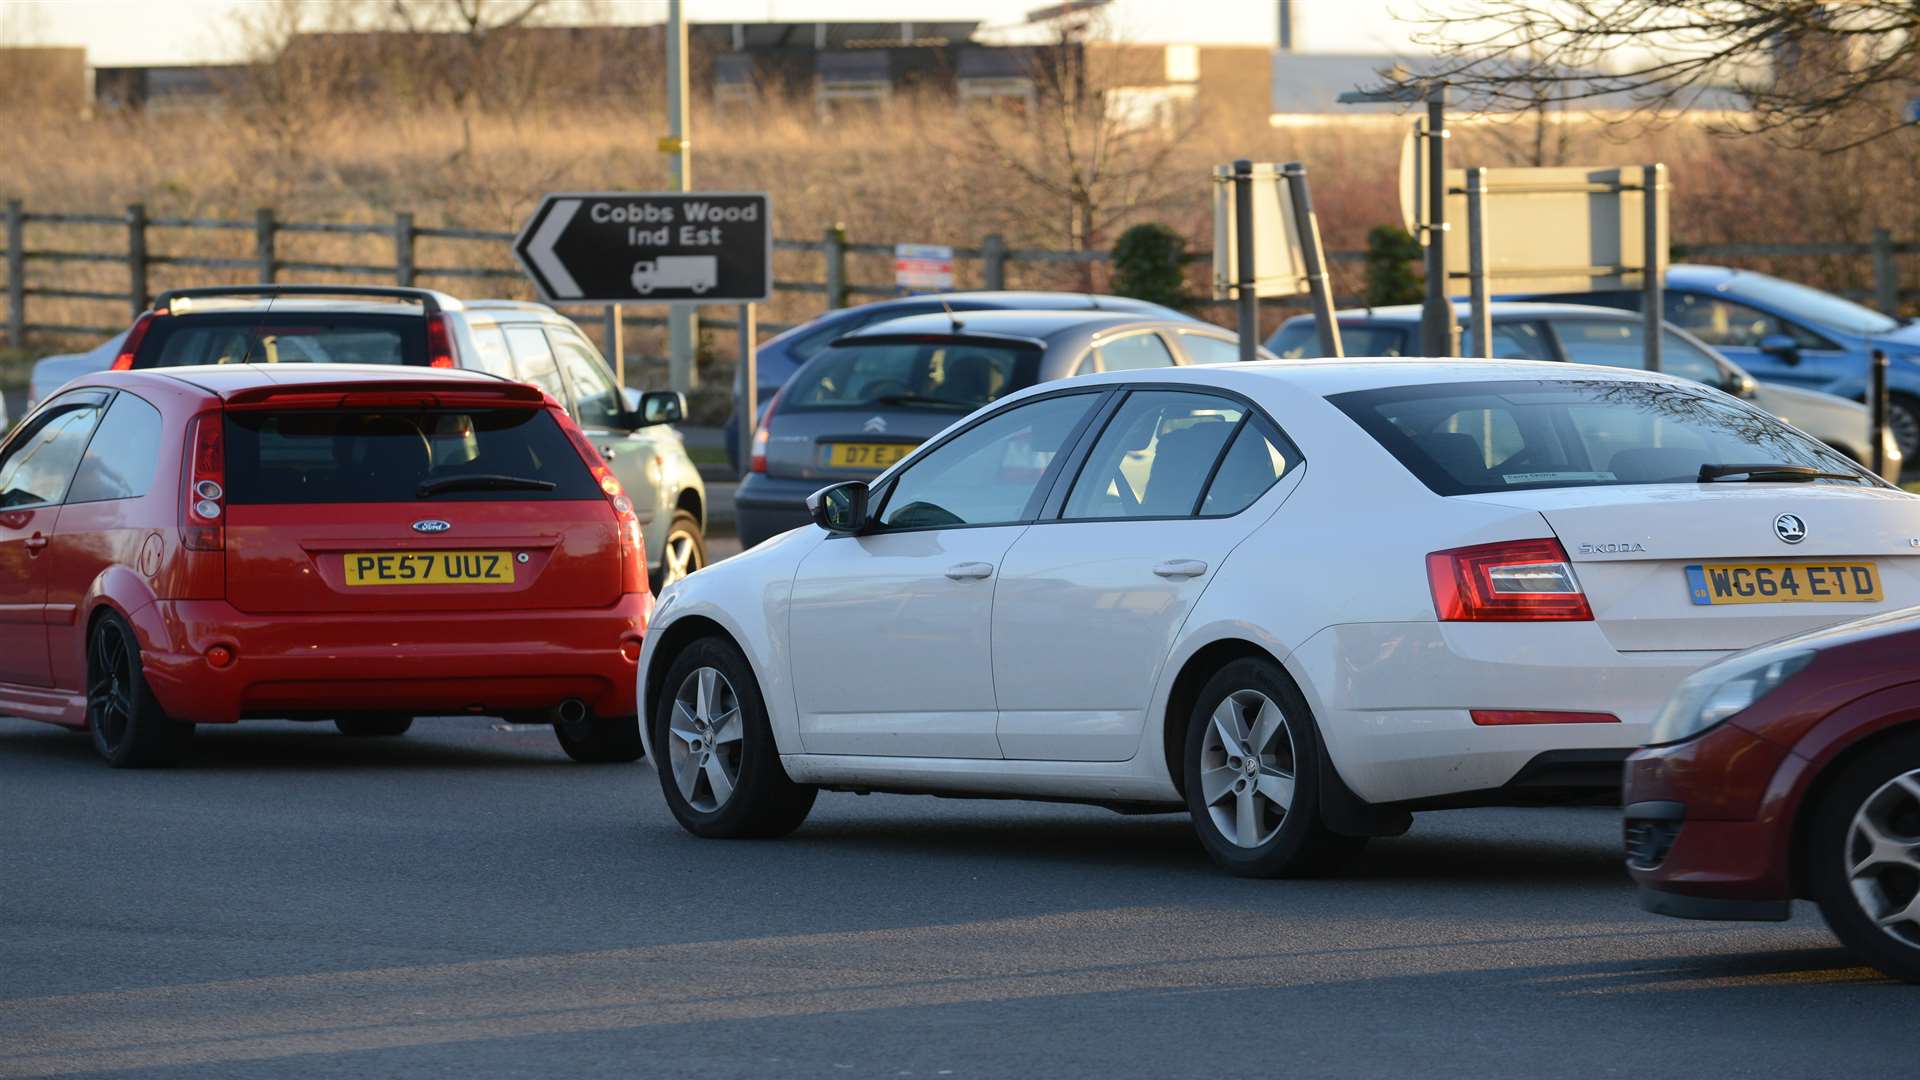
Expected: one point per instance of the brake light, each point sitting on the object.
(203, 508)
(1516, 581)
(440, 351)
(757, 459)
(131, 346)
(633, 557)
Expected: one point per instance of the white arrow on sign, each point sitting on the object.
(540, 249)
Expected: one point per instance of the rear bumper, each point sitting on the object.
(483, 662)
(766, 506)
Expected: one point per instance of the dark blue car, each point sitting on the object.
(781, 355)
(1787, 333)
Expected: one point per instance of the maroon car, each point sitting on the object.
(1791, 771)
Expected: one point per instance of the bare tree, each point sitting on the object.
(1808, 72)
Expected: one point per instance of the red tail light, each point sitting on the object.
(757, 460)
(440, 352)
(203, 505)
(1517, 581)
(131, 346)
(633, 555)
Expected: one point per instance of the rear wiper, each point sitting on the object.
(919, 399)
(480, 482)
(1775, 471)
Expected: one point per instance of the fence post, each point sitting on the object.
(403, 248)
(1886, 280)
(16, 274)
(836, 249)
(137, 258)
(993, 260)
(263, 231)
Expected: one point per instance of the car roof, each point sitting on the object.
(1324, 377)
(220, 305)
(1027, 299)
(1409, 314)
(1029, 325)
(226, 380)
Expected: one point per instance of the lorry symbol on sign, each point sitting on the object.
(696, 272)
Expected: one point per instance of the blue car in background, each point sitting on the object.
(1787, 333)
(781, 355)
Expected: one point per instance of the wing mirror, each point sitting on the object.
(656, 407)
(1742, 385)
(1782, 346)
(840, 508)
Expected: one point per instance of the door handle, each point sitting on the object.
(1175, 568)
(35, 544)
(970, 571)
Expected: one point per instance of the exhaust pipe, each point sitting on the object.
(572, 712)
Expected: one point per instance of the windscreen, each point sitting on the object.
(438, 455)
(1300, 341)
(1477, 437)
(294, 337)
(955, 376)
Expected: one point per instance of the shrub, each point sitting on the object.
(1149, 263)
(1390, 277)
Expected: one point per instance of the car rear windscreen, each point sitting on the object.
(370, 456)
(295, 337)
(1475, 437)
(1300, 341)
(954, 376)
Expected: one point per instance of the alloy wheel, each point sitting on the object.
(682, 557)
(1247, 767)
(1906, 427)
(1883, 857)
(704, 746)
(110, 684)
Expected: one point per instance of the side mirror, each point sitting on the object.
(840, 508)
(1782, 346)
(659, 407)
(632, 397)
(1742, 385)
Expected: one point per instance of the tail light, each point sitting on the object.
(440, 351)
(1517, 581)
(131, 346)
(757, 460)
(633, 556)
(203, 507)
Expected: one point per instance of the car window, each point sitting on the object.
(40, 464)
(597, 402)
(805, 346)
(1208, 349)
(1511, 341)
(1616, 343)
(493, 357)
(534, 357)
(989, 474)
(941, 375)
(1135, 352)
(284, 337)
(1154, 456)
(1254, 461)
(1718, 321)
(123, 455)
(1298, 340)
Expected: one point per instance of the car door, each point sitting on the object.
(36, 467)
(601, 411)
(1092, 597)
(889, 631)
(1738, 331)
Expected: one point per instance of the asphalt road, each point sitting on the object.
(464, 901)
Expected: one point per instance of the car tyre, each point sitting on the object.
(1258, 813)
(1863, 857)
(1903, 417)
(719, 766)
(684, 552)
(372, 725)
(601, 740)
(125, 721)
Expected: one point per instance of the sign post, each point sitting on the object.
(1481, 319)
(1246, 278)
(750, 376)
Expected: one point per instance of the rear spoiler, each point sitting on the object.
(433, 302)
(398, 393)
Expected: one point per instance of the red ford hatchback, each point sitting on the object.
(363, 544)
(1791, 771)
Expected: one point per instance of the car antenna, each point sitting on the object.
(951, 317)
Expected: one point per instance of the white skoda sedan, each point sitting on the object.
(1298, 600)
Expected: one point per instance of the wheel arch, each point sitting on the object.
(1185, 693)
(674, 639)
(691, 501)
(1826, 775)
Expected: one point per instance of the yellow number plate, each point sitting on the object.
(429, 568)
(859, 455)
(1782, 583)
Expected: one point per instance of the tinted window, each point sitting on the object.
(293, 337)
(1154, 456)
(493, 358)
(1253, 462)
(314, 456)
(955, 376)
(1720, 322)
(990, 473)
(39, 466)
(534, 357)
(1463, 438)
(1299, 340)
(123, 455)
(1207, 349)
(1135, 352)
(1618, 344)
(1511, 341)
(1820, 308)
(596, 403)
(808, 345)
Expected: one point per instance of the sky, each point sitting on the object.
(117, 32)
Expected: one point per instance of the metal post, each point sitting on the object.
(1482, 317)
(1653, 189)
(615, 332)
(1878, 454)
(1246, 299)
(1439, 330)
(1317, 282)
(263, 230)
(1886, 280)
(683, 329)
(16, 274)
(750, 381)
(403, 270)
(137, 258)
(836, 251)
(993, 262)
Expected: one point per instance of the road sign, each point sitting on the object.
(1571, 229)
(923, 267)
(1278, 262)
(615, 247)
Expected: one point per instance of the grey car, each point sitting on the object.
(872, 396)
(522, 341)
